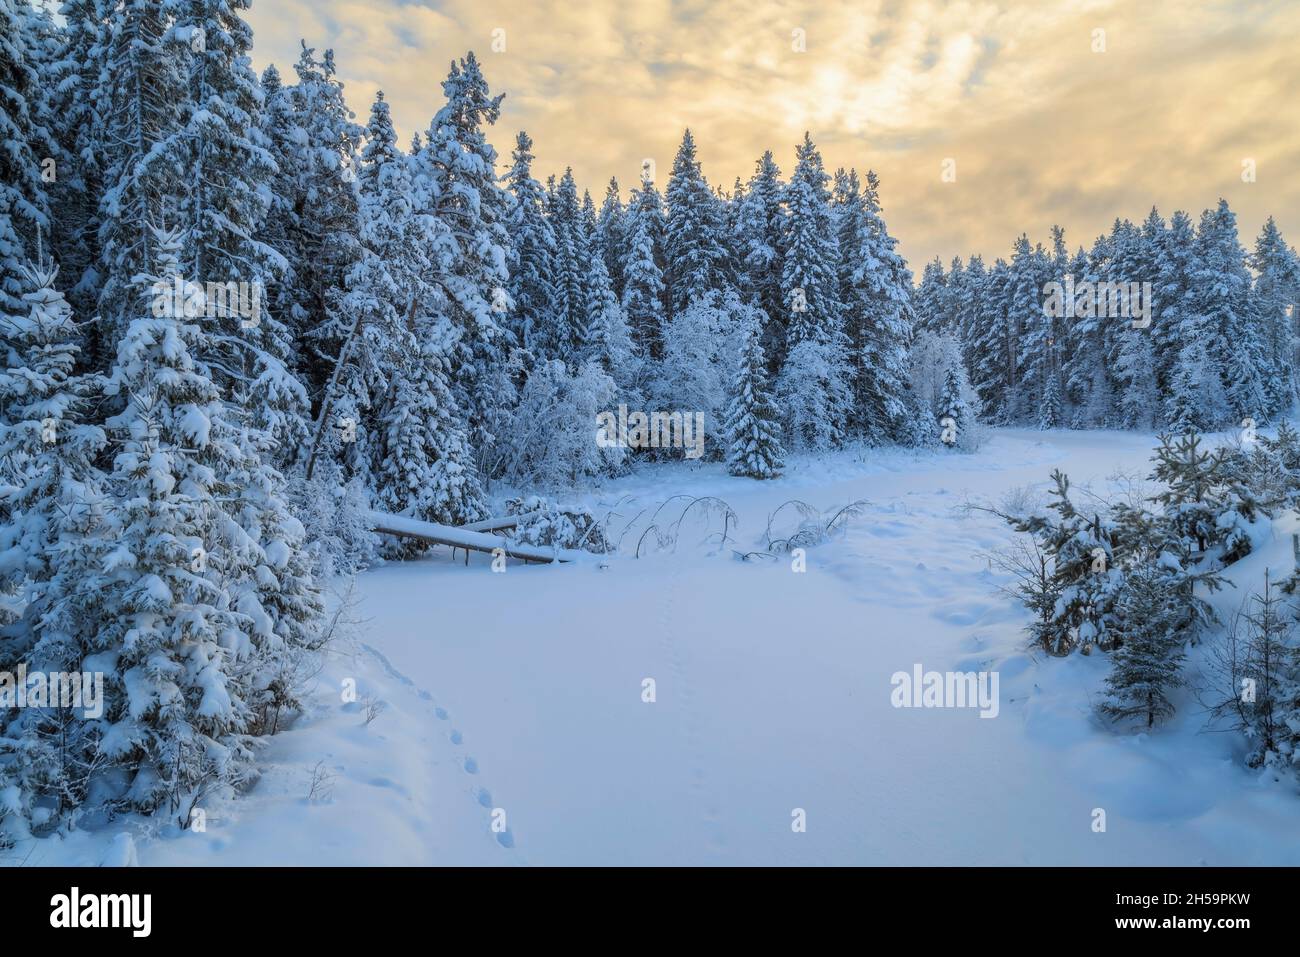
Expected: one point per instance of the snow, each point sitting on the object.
(464, 538)
(522, 693)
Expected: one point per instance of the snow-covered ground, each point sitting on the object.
(518, 697)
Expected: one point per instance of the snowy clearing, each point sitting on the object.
(518, 698)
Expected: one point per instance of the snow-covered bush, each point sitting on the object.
(941, 390)
(543, 522)
(333, 513)
(551, 442)
(814, 396)
(699, 364)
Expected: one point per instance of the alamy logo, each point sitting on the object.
(1104, 300)
(102, 910)
(83, 690)
(946, 689)
(658, 430)
(179, 298)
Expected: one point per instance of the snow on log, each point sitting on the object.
(497, 524)
(465, 538)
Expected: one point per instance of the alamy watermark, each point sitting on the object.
(1106, 300)
(83, 690)
(177, 297)
(946, 689)
(656, 430)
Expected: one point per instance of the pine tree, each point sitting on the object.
(1223, 306)
(178, 597)
(1258, 667)
(813, 386)
(312, 133)
(532, 259)
(1176, 330)
(643, 284)
(1145, 667)
(144, 91)
(753, 423)
(758, 240)
(78, 125)
(1031, 329)
(1202, 497)
(48, 451)
(23, 201)
(811, 299)
(425, 467)
(1276, 296)
(988, 341)
(609, 340)
(459, 187)
(930, 296)
(875, 288)
(694, 249)
(611, 235)
(954, 412)
(1085, 578)
(570, 270)
(229, 170)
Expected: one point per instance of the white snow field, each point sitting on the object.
(520, 694)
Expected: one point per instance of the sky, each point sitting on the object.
(983, 119)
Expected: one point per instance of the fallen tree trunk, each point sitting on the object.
(498, 524)
(467, 539)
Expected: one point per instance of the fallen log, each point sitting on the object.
(464, 538)
(498, 524)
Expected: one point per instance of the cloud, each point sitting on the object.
(1043, 126)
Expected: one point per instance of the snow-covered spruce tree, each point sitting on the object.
(570, 263)
(1132, 258)
(426, 469)
(532, 258)
(419, 459)
(694, 243)
(144, 91)
(609, 340)
(758, 240)
(753, 425)
(23, 200)
(929, 298)
(315, 219)
(458, 185)
(47, 450)
(230, 169)
(1085, 577)
(76, 120)
(53, 502)
(372, 318)
(1277, 289)
(195, 600)
(1256, 680)
(1172, 293)
(875, 288)
(938, 385)
(611, 235)
(811, 296)
(1032, 328)
(955, 417)
(991, 348)
(643, 280)
(1145, 667)
(1203, 499)
(1222, 301)
(813, 387)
